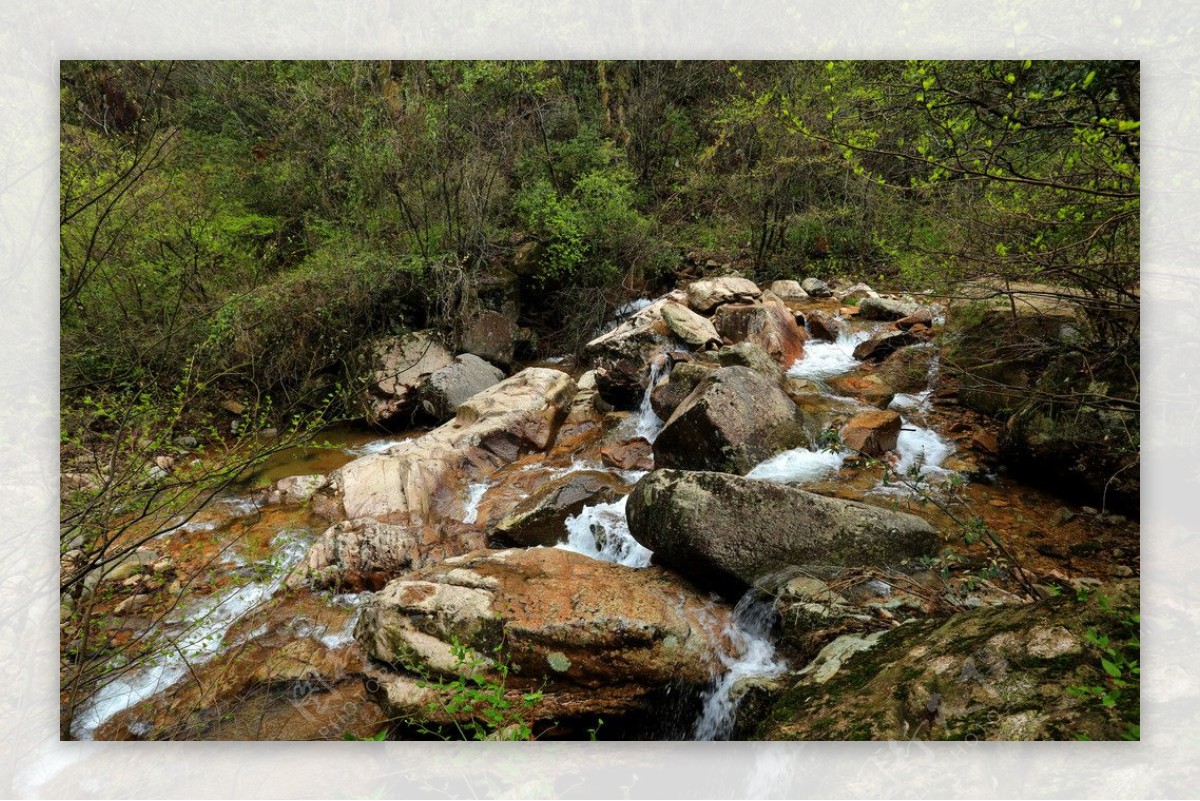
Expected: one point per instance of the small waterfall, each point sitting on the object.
(824, 360)
(753, 656)
(475, 493)
(602, 532)
(649, 423)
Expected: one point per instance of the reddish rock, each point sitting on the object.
(985, 441)
(922, 316)
(872, 433)
(867, 388)
(635, 454)
(769, 324)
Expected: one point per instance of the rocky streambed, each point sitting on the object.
(745, 496)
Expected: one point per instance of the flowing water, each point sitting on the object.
(798, 466)
(649, 423)
(198, 633)
(602, 532)
(824, 360)
(751, 656)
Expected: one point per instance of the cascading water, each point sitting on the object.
(752, 656)
(198, 634)
(824, 360)
(798, 466)
(649, 423)
(602, 532)
(475, 493)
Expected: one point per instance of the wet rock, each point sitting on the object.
(398, 365)
(816, 287)
(868, 388)
(992, 674)
(788, 290)
(769, 324)
(689, 327)
(363, 554)
(585, 418)
(684, 378)
(727, 532)
(635, 454)
(907, 369)
(444, 390)
(872, 433)
(621, 382)
(885, 309)
(882, 345)
(734, 419)
(591, 635)
(540, 519)
(822, 326)
(705, 296)
(748, 354)
(424, 478)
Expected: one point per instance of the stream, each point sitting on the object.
(219, 618)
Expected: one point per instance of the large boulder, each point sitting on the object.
(748, 354)
(398, 365)
(423, 479)
(490, 335)
(689, 327)
(734, 419)
(729, 532)
(643, 332)
(684, 379)
(821, 326)
(364, 554)
(705, 296)
(770, 325)
(444, 390)
(592, 636)
(869, 388)
(877, 308)
(856, 293)
(540, 519)
(1007, 673)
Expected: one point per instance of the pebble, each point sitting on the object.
(1122, 571)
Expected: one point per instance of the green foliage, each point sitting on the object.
(477, 699)
(1118, 669)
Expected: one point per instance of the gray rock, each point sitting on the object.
(728, 532)
(789, 290)
(444, 390)
(684, 379)
(882, 345)
(748, 354)
(398, 366)
(816, 287)
(688, 326)
(704, 296)
(734, 419)
(885, 309)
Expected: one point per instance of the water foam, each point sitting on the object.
(824, 360)
(602, 532)
(798, 466)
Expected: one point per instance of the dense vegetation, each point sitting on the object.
(241, 227)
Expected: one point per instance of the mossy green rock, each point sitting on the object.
(1007, 673)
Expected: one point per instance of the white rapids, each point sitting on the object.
(602, 532)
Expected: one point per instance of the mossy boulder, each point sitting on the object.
(1006, 673)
